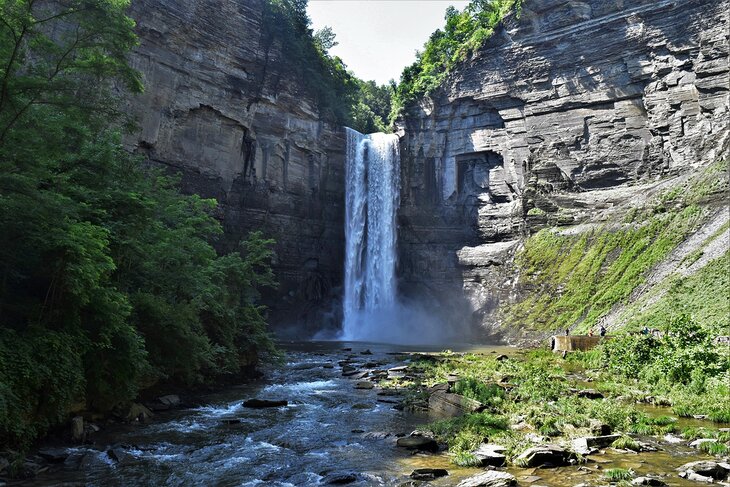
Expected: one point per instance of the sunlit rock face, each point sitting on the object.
(569, 109)
(222, 107)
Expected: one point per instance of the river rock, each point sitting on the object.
(490, 455)
(264, 403)
(589, 444)
(340, 478)
(704, 468)
(366, 352)
(544, 456)
(138, 412)
(364, 385)
(119, 455)
(77, 428)
(54, 455)
(171, 400)
(648, 481)
(492, 478)
(421, 443)
(452, 404)
(699, 442)
(590, 394)
(428, 473)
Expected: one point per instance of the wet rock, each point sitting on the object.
(589, 444)
(138, 412)
(328, 366)
(364, 385)
(357, 431)
(347, 349)
(428, 473)
(545, 456)
(231, 421)
(490, 455)
(119, 455)
(673, 439)
(590, 394)
(453, 404)
(492, 478)
(77, 428)
(442, 387)
(648, 481)
(362, 405)
(377, 435)
(599, 428)
(366, 352)
(501, 358)
(349, 371)
(420, 443)
(699, 442)
(704, 468)
(170, 400)
(340, 478)
(53, 455)
(264, 403)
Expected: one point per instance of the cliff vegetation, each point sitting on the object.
(108, 279)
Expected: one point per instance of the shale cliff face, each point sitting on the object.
(223, 108)
(570, 110)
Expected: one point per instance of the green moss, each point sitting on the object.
(626, 443)
(535, 212)
(617, 474)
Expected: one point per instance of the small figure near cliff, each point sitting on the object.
(590, 332)
(567, 331)
(602, 331)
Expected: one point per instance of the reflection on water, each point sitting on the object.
(323, 430)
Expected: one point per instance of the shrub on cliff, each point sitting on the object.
(464, 33)
(108, 280)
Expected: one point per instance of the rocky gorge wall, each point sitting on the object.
(571, 114)
(223, 107)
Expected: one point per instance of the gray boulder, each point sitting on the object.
(490, 455)
(545, 456)
(421, 443)
(492, 478)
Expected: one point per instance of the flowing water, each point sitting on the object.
(372, 196)
(328, 427)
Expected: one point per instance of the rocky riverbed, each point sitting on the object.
(334, 414)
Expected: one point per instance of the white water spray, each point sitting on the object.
(372, 177)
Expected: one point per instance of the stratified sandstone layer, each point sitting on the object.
(223, 107)
(571, 109)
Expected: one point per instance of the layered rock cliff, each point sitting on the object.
(572, 114)
(223, 107)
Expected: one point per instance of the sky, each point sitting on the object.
(378, 38)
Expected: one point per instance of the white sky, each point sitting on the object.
(378, 38)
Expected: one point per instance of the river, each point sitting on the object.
(328, 429)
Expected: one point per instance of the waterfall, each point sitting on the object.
(372, 176)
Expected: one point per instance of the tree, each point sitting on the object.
(324, 39)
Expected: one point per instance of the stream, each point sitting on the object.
(329, 430)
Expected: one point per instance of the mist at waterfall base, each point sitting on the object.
(372, 311)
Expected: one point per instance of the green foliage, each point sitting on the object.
(626, 443)
(108, 280)
(465, 32)
(340, 95)
(617, 474)
(487, 394)
(465, 433)
(580, 278)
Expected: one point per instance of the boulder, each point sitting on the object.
(366, 352)
(170, 400)
(363, 384)
(453, 404)
(340, 478)
(492, 478)
(648, 481)
(119, 455)
(77, 428)
(544, 456)
(590, 394)
(421, 443)
(428, 473)
(53, 455)
(264, 403)
(697, 443)
(589, 444)
(705, 468)
(490, 455)
(138, 412)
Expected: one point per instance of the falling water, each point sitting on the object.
(372, 197)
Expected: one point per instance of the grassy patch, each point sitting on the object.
(618, 474)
